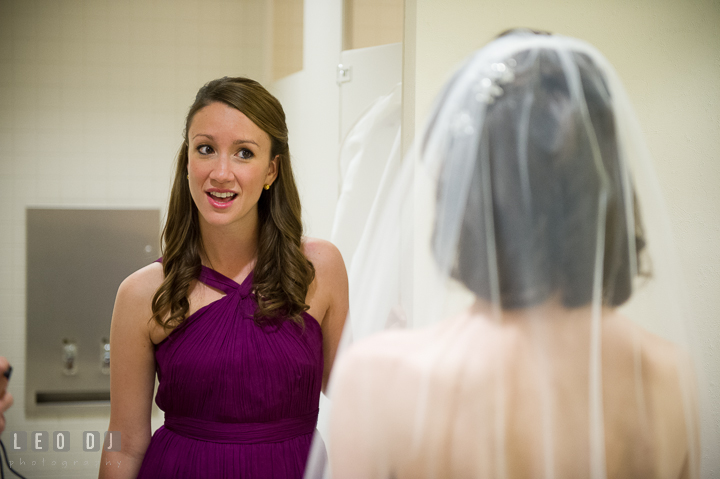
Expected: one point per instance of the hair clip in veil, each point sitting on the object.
(488, 88)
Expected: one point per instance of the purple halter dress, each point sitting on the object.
(240, 400)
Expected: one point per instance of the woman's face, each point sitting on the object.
(228, 165)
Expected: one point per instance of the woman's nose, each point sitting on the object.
(221, 169)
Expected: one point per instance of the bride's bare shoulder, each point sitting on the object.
(410, 350)
(670, 389)
(660, 356)
(667, 370)
(385, 356)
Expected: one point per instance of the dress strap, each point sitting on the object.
(242, 433)
(219, 281)
(216, 280)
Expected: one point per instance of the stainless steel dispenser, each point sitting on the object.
(76, 259)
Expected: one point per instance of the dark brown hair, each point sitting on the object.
(548, 247)
(282, 273)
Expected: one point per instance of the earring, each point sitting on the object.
(188, 176)
(267, 187)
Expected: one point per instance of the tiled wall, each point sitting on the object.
(93, 96)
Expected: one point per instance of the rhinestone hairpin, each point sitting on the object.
(488, 88)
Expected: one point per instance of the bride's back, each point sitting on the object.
(477, 399)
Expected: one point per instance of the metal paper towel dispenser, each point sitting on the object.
(76, 259)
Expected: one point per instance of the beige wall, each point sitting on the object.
(666, 53)
(369, 23)
(93, 97)
(287, 36)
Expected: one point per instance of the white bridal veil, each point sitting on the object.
(557, 341)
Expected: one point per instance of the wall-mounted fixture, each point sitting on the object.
(69, 357)
(76, 259)
(105, 356)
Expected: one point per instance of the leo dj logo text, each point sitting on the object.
(60, 441)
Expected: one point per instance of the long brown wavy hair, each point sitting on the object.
(282, 273)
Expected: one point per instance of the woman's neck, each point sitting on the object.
(230, 249)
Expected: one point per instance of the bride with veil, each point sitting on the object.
(570, 356)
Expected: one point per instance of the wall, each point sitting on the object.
(369, 23)
(93, 97)
(287, 36)
(666, 53)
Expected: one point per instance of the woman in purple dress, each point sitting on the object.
(242, 317)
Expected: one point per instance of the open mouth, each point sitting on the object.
(221, 198)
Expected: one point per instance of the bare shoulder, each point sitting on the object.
(142, 284)
(668, 369)
(661, 353)
(670, 393)
(322, 254)
(376, 387)
(387, 345)
(331, 283)
(133, 304)
(371, 366)
(661, 358)
(383, 357)
(405, 360)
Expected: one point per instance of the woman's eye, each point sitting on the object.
(245, 154)
(204, 149)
